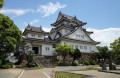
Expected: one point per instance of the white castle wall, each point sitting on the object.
(89, 49)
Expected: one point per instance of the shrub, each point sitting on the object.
(11, 64)
(4, 62)
(5, 66)
(86, 63)
(92, 63)
(63, 64)
(0, 62)
(30, 65)
(24, 64)
(75, 63)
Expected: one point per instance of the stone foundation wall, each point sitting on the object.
(69, 59)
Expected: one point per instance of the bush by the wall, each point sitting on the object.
(86, 63)
(31, 65)
(92, 63)
(75, 63)
(23, 64)
(11, 64)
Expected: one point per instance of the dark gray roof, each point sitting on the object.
(35, 29)
(40, 40)
(67, 16)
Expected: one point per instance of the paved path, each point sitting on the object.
(10, 73)
(36, 73)
(46, 72)
(97, 74)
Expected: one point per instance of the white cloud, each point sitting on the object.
(50, 8)
(46, 29)
(105, 36)
(31, 22)
(17, 12)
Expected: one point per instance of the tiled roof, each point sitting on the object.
(35, 29)
(67, 16)
(40, 40)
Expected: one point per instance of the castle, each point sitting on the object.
(66, 30)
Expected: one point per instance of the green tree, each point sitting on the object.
(102, 55)
(1, 3)
(64, 50)
(116, 48)
(25, 53)
(10, 36)
(77, 54)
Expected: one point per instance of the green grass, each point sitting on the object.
(68, 75)
(90, 68)
(37, 67)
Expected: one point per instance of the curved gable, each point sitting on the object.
(80, 35)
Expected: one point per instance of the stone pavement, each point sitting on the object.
(10, 73)
(97, 74)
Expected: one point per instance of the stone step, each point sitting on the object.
(41, 61)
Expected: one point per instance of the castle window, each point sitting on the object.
(85, 47)
(90, 48)
(82, 36)
(77, 36)
(47, 48)
(73, 46)
(54, 45)
(66, 31)
(76, 46)
(64, 42)
(33, 35)
(80, 47)
(39, 36)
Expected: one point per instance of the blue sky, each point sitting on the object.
(99, 14)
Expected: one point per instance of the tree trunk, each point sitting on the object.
(110, 63)
(103, 65)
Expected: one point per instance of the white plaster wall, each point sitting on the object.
(79, 32)
(88, 50)
(36, 35)
(53, 35)
(47, 52)
(63, 32)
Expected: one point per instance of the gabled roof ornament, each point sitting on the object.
(60, 12)
(28, 25)
(75, 17)
(40, 26)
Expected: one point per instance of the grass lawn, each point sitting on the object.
(90, 68)
(37, 67)
(68, 75)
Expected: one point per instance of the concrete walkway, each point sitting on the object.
(37, 73)
(10, 73)
(46, 72)
(97, 74)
